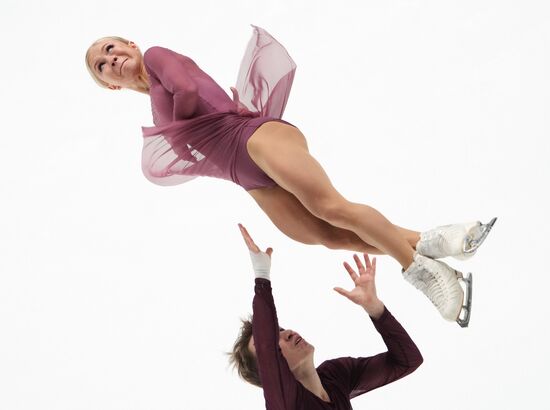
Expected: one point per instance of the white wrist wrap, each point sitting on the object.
(261, 263)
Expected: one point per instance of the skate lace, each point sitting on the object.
(433, 286)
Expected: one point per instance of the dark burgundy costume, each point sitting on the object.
(343, 378)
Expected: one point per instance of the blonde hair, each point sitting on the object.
(100, 82)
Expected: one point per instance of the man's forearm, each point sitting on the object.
(374, 308)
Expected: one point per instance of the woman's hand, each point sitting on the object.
(261, 261)
(241, 108)
(364, 293)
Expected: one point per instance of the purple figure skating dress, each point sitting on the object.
(199, 130)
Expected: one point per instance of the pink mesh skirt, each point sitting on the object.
(214, 144)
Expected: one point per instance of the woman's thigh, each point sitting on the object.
(291, 217)
(281, 151)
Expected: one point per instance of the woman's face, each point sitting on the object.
(116, 63)
(294, 348)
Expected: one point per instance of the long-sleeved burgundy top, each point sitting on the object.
(343, 378)
(199, 130)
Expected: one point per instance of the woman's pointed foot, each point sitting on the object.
(440, 283)
(460, 241)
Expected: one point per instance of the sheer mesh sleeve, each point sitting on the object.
(169, 69)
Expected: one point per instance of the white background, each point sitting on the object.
(118, 294)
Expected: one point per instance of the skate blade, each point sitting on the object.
(463, 318)
(472, 244)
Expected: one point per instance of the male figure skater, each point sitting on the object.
(281, 361)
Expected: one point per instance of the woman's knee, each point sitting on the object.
(336, 211)
(338, 238)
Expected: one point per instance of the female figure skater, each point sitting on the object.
(199, 130)
(281, 361)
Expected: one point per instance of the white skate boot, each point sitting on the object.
(439, 282)
(459, 240)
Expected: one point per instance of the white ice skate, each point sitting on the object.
(459, 240)
(440, 283)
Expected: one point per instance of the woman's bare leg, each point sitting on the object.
(281, 151)
(291, 217)
(412, 237)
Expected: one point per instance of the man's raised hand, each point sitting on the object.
(261, 261)
(364, 292)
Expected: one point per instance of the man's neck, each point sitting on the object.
(309, 378)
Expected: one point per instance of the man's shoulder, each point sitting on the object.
(336, 365)
(335, 375)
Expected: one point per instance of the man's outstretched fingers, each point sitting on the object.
(241, 228)
(248, 239)
(367, 260)
(351, 272)
(358, 263)
(342, 292)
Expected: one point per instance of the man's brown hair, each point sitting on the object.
(242, 358)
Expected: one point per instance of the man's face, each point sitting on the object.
(294, 348)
